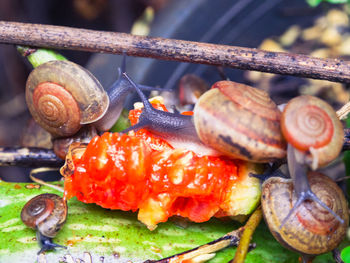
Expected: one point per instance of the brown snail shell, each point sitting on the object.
(312, 230)
(46, 213)
(61, 145)
(240, 121)
(62, 96)
(191, 87)
(311, 126)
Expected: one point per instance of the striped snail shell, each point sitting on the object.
(240, 121)
(311, 125)
(312, 230)
(46, 213)
(62, 96)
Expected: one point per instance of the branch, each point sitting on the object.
(59, 37)
(230, 239)
(346, 142)
(249, 229)
(29, 157)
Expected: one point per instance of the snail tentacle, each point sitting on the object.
(117, 94)
(298, 172)
(177, 129)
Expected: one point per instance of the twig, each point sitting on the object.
(29, 157)
(248, 232)
(343, 112)
(230, 239)
(59, 37)
(41, 182)
(346, 142)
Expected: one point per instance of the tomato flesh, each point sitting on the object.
(141, 172)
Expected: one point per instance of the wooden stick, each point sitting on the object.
(249, 229)
(29, 157)
(230, 239)
(59, 37)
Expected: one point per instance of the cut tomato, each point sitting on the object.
(141, 172)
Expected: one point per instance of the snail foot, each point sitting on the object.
(309, 195)
(47, 244)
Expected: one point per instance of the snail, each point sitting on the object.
(62, 96)
(46, 213)
(223, 123)
(315, 138)
(312, 230)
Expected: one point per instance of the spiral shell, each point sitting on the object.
(61, 96)
(312, 230)
(240, 121)
(309, 123)
(46, 212)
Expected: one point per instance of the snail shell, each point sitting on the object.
(312, 230)
(311, 125)
(62, 96)
(240, 121)
(61, 145)
(46, 212)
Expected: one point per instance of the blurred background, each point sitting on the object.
(274, 25)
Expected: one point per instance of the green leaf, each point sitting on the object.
(313, 3)
(338, 1)
(122, 123)
(119, 234)
(345, 254)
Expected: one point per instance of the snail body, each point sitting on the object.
(312, 230)
(45, 213)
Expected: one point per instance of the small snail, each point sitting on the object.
(224, 122)
(315, 138)
(45, 213)
(62, 96)
(312, 230)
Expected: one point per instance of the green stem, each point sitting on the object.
(38, 56)
(248, 232)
